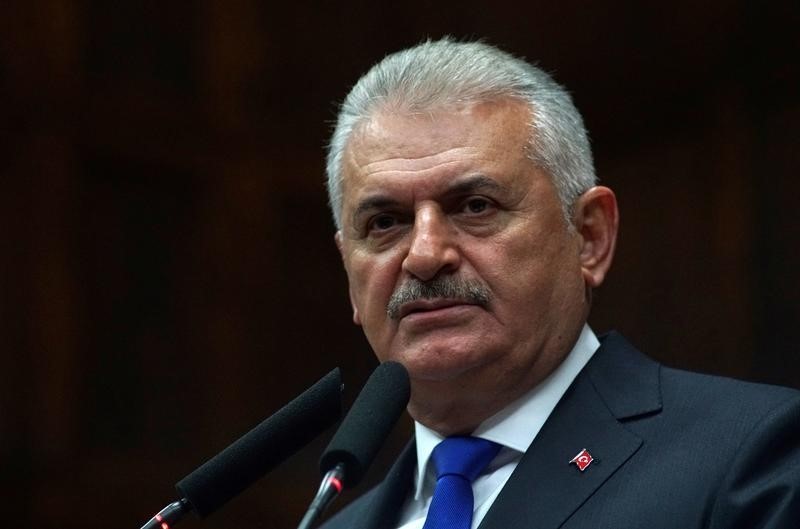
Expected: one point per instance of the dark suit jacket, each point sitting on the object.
(672, 449)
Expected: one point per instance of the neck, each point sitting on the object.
(432, 405)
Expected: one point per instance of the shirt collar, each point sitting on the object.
(516, 425)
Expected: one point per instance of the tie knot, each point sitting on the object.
(463, 456)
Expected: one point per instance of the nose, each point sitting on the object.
(433, 249)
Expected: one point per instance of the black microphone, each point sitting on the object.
(362, 432)
(257, 452)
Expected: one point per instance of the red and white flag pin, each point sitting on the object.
(582, 460)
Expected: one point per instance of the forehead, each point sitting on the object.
(477, 126)
(485, 137)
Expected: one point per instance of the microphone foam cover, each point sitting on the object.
(261, 449)
(368, 423)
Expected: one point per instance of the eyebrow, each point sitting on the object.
(373, 203)
(470, 184)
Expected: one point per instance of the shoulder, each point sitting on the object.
(751, 434)
(620, 371)
(722, 395)
(733, 446)
(719, 412)
(695, 418)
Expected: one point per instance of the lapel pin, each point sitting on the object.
(582, 460)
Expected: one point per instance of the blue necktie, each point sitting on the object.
(458, 461)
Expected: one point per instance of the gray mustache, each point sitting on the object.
(448, 287)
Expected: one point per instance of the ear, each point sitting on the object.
(340, 246)
(596, 220)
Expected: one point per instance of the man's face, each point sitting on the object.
(450, 199)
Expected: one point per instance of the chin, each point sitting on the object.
(440, 363)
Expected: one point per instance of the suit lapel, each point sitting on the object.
(545, 489)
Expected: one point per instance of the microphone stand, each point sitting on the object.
(330, 487)
(168, 516)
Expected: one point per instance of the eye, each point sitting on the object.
(382, 222)
(476, 205)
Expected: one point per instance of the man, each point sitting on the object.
(472, 232)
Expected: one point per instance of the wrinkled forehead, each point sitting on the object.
(497, 128)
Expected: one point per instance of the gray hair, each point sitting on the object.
(437, 74)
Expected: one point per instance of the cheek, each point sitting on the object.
(372, 282)
(527, 274)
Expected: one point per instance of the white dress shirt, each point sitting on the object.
(514, 427)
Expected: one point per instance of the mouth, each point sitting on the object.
(430, 305)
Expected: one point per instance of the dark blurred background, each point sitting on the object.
(169, 276)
